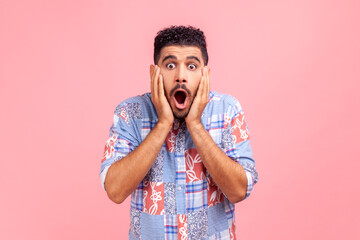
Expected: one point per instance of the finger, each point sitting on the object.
(152, 78)
(151, 70)
(201, 87)
(203, 82)
(205, 91)
(161, 86)
(205, 94)
(206, 80)
(156, 81)
(208, 83)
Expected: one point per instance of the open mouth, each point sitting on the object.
(180, 98)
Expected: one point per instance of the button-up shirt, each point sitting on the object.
(178, 199)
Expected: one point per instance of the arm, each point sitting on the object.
(125, 175)
(229, 176)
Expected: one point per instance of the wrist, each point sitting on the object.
(194, 125)
(166, 125)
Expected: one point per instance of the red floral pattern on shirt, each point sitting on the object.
(182, 227)
(195, 169)
(109, 148)
(215, 195)
(123, 115)
(239, 130)
(232, 231)
(154, 198)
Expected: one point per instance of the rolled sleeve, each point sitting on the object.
(122, 140)
(242, 154)
(250, 184)
(241, 151)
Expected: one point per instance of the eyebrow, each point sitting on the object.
(169, 57)
(174, 57)
(193, 57)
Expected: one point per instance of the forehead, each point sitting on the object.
(180, 52)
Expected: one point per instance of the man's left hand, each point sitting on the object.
(201, 99)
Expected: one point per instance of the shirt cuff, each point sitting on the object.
(103, 176)
(250, 184)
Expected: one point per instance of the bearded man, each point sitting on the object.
(181, 151)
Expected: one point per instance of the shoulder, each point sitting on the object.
(223, 103)
(135, 107)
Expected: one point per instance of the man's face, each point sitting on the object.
(181, 67)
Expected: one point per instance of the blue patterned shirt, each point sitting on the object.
(178, 199)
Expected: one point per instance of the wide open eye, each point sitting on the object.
(192, 66)
(170, 66)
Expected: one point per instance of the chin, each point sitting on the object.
(181, 114)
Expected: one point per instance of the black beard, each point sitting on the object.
(182, 116)
(182, 86)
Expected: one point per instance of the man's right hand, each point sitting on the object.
(165, 114)
(124, 176)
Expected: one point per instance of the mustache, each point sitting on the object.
(182, 86)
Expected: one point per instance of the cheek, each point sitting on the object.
(167, 81)
(195, 83)
(167, 87)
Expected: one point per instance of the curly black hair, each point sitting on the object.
(183, 36)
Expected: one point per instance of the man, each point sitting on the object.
(182, 152)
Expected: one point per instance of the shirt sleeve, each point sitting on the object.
(239, 144)
(122, 140)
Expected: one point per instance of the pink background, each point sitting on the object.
(294, 66)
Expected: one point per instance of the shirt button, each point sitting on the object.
(179, 188)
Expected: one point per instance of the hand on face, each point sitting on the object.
(165, 115)
(201, 99)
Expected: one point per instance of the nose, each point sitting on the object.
(181, 74)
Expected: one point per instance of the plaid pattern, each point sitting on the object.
(137, 197)
(178, 198)
(170, 227)
(196, 196)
